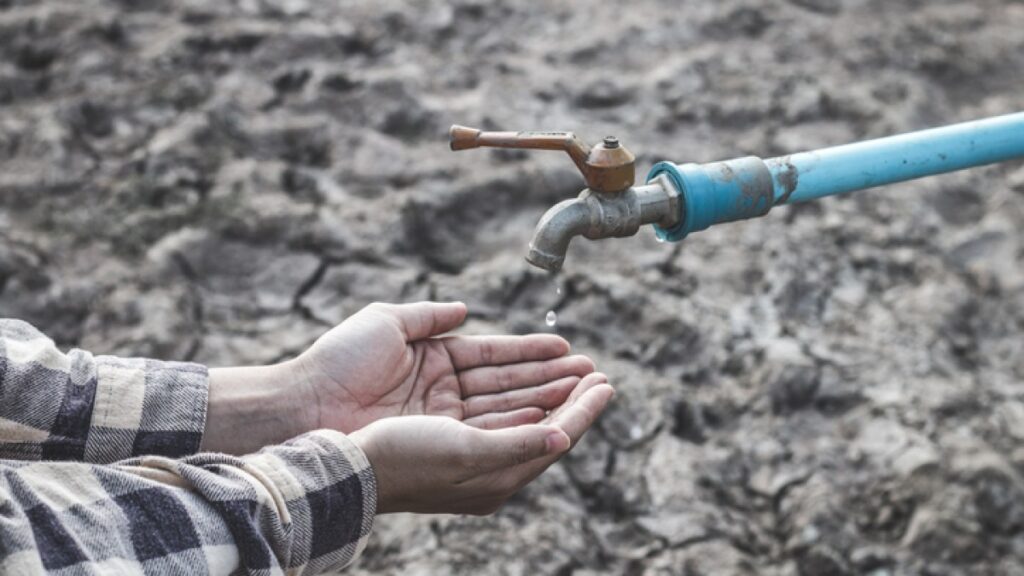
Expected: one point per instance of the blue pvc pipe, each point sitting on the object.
(748, 187)
(897, 158)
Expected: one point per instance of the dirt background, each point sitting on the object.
(836, 388)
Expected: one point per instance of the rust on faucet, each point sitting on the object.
(609, 207)
(606, 167)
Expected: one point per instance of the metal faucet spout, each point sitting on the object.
(597, 215)
(555, 230)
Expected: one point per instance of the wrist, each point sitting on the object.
(255, 406)
(364, 440)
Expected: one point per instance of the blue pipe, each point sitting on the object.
(748, 187)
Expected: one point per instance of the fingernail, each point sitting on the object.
(556, 442)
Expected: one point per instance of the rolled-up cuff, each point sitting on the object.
(146, 408)
(330, 492)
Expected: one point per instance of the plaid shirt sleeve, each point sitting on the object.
(303, 507)
(76, 406)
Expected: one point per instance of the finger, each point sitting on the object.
(575, 420)
(472, 351)
(546, 396)
(588, 382)
(510, 447)
(581, 415)
(425, 319)
(494, 379)
(497, 420)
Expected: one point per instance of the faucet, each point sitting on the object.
(682, 198)
(609, 207)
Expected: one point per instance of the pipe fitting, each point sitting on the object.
(716, 192)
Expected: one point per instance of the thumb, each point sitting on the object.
(426, 319)
(513, 446)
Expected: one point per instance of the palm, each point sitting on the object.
(388, 361)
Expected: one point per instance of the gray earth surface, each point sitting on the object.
(836, 388)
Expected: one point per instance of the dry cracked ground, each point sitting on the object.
(836, 388)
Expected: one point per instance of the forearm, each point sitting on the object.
(252, 407)
(100, 409)
(305, 506)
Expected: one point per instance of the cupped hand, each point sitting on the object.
(391, 360)
(431, 464)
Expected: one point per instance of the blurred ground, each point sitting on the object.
(837, 388)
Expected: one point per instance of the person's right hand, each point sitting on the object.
(436, 464)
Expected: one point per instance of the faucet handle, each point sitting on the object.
(607, 167)
(463, 138)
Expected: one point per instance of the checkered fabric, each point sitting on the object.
(302, 507)
(76, 406)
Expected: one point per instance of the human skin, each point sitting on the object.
(391, 360)
(432, 464)
(450, 424)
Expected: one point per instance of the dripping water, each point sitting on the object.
(551, 318)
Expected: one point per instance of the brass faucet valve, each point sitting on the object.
(607, 167)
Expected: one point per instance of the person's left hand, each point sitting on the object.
(389, 360)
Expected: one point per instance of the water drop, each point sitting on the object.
(659, 239)
(558, 290)
(551, 319)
